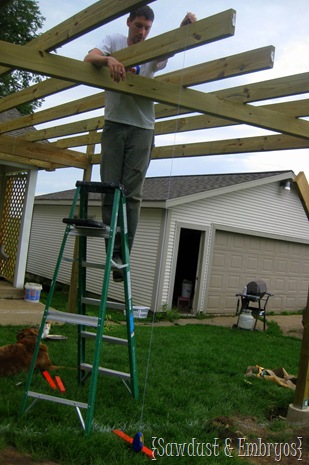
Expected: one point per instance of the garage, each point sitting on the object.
(240, 258)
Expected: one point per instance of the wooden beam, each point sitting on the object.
(298, 108)
(42, 152)
(199, 33)
(29, 161)
(152, 89)
(302, 186)
(286, 86)
(94, 102)
(42, 89)
(301, 397)
(274, 88)
(231, 146)
(96, 15)
(223, 68)
(182, 124)
(76, 107)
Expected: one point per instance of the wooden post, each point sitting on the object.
(72, 299)
(299, 411)
(301, 398)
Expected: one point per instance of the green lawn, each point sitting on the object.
(196, 374)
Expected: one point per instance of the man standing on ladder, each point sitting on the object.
(128, 133)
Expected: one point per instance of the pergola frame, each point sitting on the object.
(173, 91)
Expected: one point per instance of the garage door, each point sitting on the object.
(239, 258)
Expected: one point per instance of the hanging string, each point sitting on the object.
(164, 228)
(177, 117)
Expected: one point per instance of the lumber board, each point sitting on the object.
(231, 146)
(76, 107)
(95, 15)
(62, 67)
(190, 123)
(222, 68)
(27, 161)
(42, 152)
(225, 67)
(204, 31)
(209, 70)
(40, 90)
(302, 186)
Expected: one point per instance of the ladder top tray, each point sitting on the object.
(100, 187)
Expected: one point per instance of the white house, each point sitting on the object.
(217, 231)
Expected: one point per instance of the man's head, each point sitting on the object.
(139, 23)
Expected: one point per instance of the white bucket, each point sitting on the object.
(32, 292)
(246, 320)
(186, 288)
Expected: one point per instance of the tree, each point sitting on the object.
(19, 23)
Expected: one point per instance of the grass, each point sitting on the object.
(196, 374)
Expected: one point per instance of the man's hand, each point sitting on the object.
(98, 59)
(117, 70)
(188, 19)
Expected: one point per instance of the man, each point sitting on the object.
(128, 132)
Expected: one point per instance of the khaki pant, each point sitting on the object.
(125, 157)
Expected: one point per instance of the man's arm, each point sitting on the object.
(117, 69)
(188, 19)
(97, 58)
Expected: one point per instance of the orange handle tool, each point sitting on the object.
(49, 379)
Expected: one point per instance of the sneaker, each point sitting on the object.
(118, 273)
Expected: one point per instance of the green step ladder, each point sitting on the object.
(83, 227)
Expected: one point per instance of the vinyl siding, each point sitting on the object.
(46, 236)
(267, 211)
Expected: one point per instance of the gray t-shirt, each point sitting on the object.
(129, 109)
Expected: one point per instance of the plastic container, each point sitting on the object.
(246, 321)
(32, 292)
(186, 288)
(139, 312)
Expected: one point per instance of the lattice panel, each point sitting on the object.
(15, 191)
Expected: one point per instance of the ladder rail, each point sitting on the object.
(47, 306)
(102, 310)
(128, 301)
(81, 319)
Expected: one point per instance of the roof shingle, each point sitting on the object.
(172, 187)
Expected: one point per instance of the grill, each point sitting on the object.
(251, 304)
(256, 288)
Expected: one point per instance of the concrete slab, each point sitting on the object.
(20, 312)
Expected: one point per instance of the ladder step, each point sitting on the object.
(109, 339)
(59, 400)
(99, 266)
(73, 318)
(89, 232)
(112, 305)
(85, 223)
(107, 371)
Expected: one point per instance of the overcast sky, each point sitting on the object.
(259, 23)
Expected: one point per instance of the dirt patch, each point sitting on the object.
(11, 456)
(249, 439)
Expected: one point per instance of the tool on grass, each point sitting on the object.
(49, 379)
(60, 384)
(136, 442)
